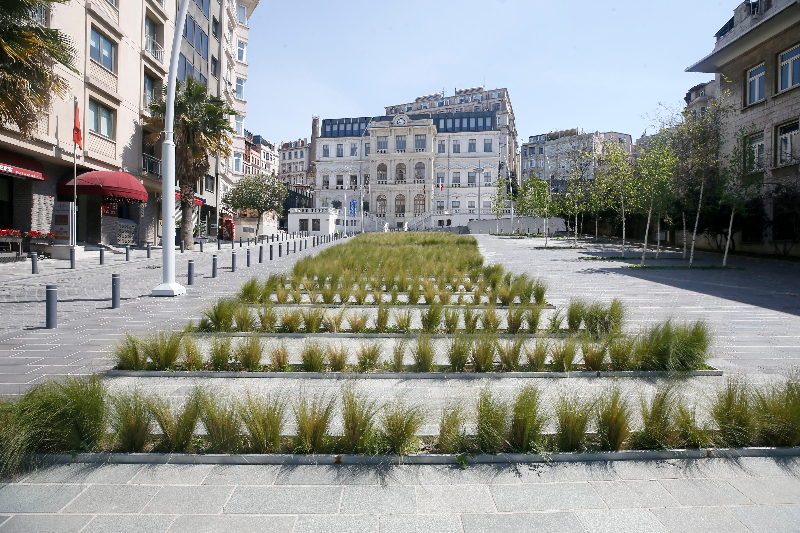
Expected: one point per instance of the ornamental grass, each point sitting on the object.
(358, 416)
(400, 424)
(162, 349)
(452, 429)
(491, 419)
(263, 419)
(312, 418)
(279, 358)
(130, 422)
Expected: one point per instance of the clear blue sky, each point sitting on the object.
(588, 63)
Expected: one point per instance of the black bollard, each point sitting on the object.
(148, 250)
(261, 254)
(280, 250)
(233, 261)
(201, 246)
(248, 241)
(51, 303)
(214, 266)
(115, 291)
(240, 242)
(103, 255)
(34, 263)
(287, 247)
(219, 244)
(233, 243)
(182, 245)
(270, 252)
(295, 247)
(72, 258)
(127, 252)
(190, 281)
(248, 257)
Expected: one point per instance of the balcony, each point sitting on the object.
(419, 150)
(400, 150)
(381, 151)
(419, 180)
(151, 166)
(155, 50)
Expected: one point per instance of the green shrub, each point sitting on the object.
(398, 353)
(128, 355)
(538, 356)
(681, 347)
(575, 311)
(162, 348)
(221, 420)
(248, 353)
(219, 317)
(564, 354)
(458, 352)
(532, 317)
(594, 354)
(657, 414)
(690, 433)
(572, 421)
(490, 322)
(403, 320)
(732, 412)
(279, 358)
(267, 318)
(312, 418)
(263, 420)
(358, 417)
(312, 356)
(177, 427)
(220, 354)
(368, 354)
(539, 290)
(312, 319)
(510, 352)
(483, 350)
(778, 407)
(192, 357)
(423, 353)
(470, 319)
(382, 319)
(130, 422)
(527, 420)
(451, 316)
(291, 320)
(250, 291)
(622, 353)
(556, 320)
(452, 429)
(515, 319)
(613, 418)
(400, 425)
(431, 318)
(491, 422)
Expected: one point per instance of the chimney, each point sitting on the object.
(312, 148)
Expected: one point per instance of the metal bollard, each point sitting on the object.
(233, 261)
(261, 254)
(148, 250)
(127, 252)
(248, 241)
(103, 255)
(280, 250)
(306, 243)
(219, 244)
(214, 266)
(72, 258)
(51, 304)
(34, 263)
(287, 248)
(270, 252)
(201, 246)
(182, 245)
(248, 257)
(233, 243)
(190, 281)
(295, 247)
(240, 242)
(115, 291)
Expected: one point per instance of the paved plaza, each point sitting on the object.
(753, 309)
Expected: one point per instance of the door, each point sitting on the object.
(6, 204)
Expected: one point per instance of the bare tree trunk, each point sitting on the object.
(595, 228)
(683, 214)
(581, 223)
(576, 229)
(647, 230)
(696, 222)
(187, 224)
(545, 230)
(728, 242)
(623, 226)
(658, 236)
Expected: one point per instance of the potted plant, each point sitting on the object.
(38, 237)
(12, 236)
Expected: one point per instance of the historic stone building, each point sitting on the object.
(294, 162)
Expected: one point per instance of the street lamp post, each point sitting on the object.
(168, 286)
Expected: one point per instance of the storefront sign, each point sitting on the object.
(62, 221)
(109, 209)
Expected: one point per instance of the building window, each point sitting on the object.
(790, 68)
(102, 50)
(210, 183)
(353, 149)
(788, 144)
(487, 178)
(455, 204)
(241, 49)
(400, 173)
(524, 152)
(755, 85)
(353, 181)
(440, 179)
(242, 18)
(457, 179)
(419, 171)
(214, 67)
(471, 204)
(382, 204)
(366, 148)
(239, 125)
(382, 172)
(472, 144)
(325, 151)
(755, 151)
(409, 108)
(383, 143)
(399, 204)
(440, 205)
(419, 204)
(339, 150)
(149, 90)
(326, 182)
(340, 180)
(314, 224)
(487, 145)
(101, 119)
(456, 147)
(400, 142)
(471, 178)
(237, 161)
(240, 88)
(487, 204)
(441, 147)
(420, 142)
(214, 27)
(496, 107)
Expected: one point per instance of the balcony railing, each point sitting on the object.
(151, 165)
(154, 49)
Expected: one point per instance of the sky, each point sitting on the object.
(590, 64)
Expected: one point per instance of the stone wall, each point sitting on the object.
(22, 191)
(43, 196)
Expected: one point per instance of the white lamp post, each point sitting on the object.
(168, 286)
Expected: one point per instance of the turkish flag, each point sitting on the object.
(76, 130)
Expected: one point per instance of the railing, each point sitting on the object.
(419, 180)
(103, 75)
(151, 165)
(147, 99)
(154, 49)
(418, 150)
(400, 150)
(381, 151)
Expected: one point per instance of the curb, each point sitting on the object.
(208, 374)
(422, 459)
(349, 335)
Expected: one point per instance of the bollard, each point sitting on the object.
(233, 243)
(280, 250)
(51, 302)
(270, 252)
(34, 263)
(261, 254)
(214, 266)
(295, 247)
(115, 291)
(306, 243)
(301, 246)
(240, 242)
(233, 261)
(72, 258)
(219, 244)
(287, 248)
(190, 281)
(182, 245)
(103, 255)
(127, 252)
(248, 241)
(201, 246)
(148, 250)
(248, 257)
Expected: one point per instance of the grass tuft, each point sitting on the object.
(128, 354)
(368, 355)
(248, 353)
(279, 358)
(358, 417)
(483, 351)
(313, 417)
(564, 354)
(538, 356)
(162, 348)
(510, 353)
(491, 422)
(613, 418)
(527, 420)
(312, 356)
(130, 422)
(452, 429)
(400, 425)
(423, 353)
(572, 422)
(177, 427)
(222, 423)
(733, 414)
(220, 354)
(263, 419)
(657, 414)
(458, 352)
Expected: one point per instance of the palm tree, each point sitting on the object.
(28, 55)
(201, 129)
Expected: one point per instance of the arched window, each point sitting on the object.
(399, 203)
(400, 172)
(419, 204)
(382, 204)
(381, 172)
(419, 171)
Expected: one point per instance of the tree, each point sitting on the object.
(202, 128)
(29, 53)
(258, 192)
(655, 169)
(498, 200)
(580, 165)
(533, 197)
(614, 178)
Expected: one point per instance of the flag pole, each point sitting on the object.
(74, 228)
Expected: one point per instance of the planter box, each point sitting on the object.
(5, 238)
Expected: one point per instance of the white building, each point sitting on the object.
(294, 162)
(320, 221)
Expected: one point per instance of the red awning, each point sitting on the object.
(19, 165)
(119, 186)
(197, 201)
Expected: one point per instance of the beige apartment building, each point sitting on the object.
(756, 59)
(123, 59)
(294, 163)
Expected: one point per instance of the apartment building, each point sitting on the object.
(757, 53)
(294, 163)
(269, 155)
(700, 96)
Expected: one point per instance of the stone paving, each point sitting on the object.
(710, 495)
